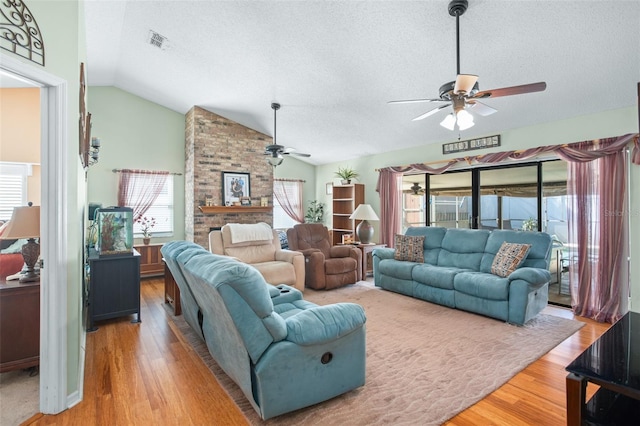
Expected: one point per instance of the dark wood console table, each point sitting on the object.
(613, 363)
(19, 325)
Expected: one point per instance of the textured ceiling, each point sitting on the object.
(333, 65)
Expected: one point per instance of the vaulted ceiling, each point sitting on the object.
(334, 65)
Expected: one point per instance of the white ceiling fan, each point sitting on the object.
(463, 93)
(275, 151)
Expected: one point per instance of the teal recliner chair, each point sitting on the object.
(283, 352)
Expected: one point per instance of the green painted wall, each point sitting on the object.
(594, 126)
(135, 134)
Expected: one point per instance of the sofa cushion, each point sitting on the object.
(463, 248)
(409, 248)
(482, 285)
(539, 254)
(435, 276)
(393, 268)
(509, 258)
(433, 236)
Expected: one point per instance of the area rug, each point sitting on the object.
(425, 362)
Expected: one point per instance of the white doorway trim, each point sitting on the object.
(53, 226)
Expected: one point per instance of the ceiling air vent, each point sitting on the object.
(157, 40)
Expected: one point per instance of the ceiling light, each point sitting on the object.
(275, 159)
(464, 119)
(449, 122)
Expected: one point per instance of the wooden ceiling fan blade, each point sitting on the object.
(412, 101)
(479, 108)
(465, 83)
(513, 90)
(430, 113)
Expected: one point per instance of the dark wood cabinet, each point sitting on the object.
(114, 287)
(19, 325)
(151, 264)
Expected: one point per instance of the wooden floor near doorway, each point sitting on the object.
(139, 374)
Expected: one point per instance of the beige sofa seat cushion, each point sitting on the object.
(277, 272)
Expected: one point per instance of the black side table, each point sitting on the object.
(114, 287)
(613, 363)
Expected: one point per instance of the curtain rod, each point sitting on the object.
(290, 180)
(152, 171)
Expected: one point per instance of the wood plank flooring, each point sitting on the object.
(145, 374)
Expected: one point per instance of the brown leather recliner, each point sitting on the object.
(326, 266)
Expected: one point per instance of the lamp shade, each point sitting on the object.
(24, 223)
(364, 212)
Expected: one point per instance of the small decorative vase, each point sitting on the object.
(146, 240)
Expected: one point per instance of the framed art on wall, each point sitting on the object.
(235, 186)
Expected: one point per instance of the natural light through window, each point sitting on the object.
(13, 187)
(161, 211)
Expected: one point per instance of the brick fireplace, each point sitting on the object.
(214, 144)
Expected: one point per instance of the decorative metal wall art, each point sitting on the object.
(19, 31)
(471, 144)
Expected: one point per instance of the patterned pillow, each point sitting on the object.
(409, 248)
(508, 258)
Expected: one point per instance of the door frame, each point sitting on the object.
(53, 227)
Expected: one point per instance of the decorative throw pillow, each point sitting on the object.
(409, 248)
(508, 258)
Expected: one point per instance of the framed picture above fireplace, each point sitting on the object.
(235, 186)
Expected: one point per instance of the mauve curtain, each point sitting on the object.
(289, 199)
(598, 231)
(139, 189)
(390, 189)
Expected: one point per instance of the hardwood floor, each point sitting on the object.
(140, 374)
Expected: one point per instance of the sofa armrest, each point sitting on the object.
(535, 276)
(309, 252)
(287, 255)
(323, 324)
(384, 253)
(342, 251)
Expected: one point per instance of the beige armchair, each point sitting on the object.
(327, 266)
(249, 243)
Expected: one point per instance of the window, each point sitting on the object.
(13, 187)
(161, 210)
(291, 191)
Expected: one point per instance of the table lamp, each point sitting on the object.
(25, 223)
(365, 213)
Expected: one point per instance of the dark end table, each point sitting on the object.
(613, 363)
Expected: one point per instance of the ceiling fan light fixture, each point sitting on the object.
(275, 160)
(464, 119)
(449, 122)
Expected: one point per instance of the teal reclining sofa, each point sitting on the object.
(283, 352)
(456, 271)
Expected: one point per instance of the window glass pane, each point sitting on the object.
(13, 187)
(281, 220)
(161, 211)
(450, 200)
(509, 198)
(413, 201)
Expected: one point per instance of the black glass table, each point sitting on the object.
(613, 363)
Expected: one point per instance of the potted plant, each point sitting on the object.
(315, 212)
(530, 225)
(145, 227)
(346, 174)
